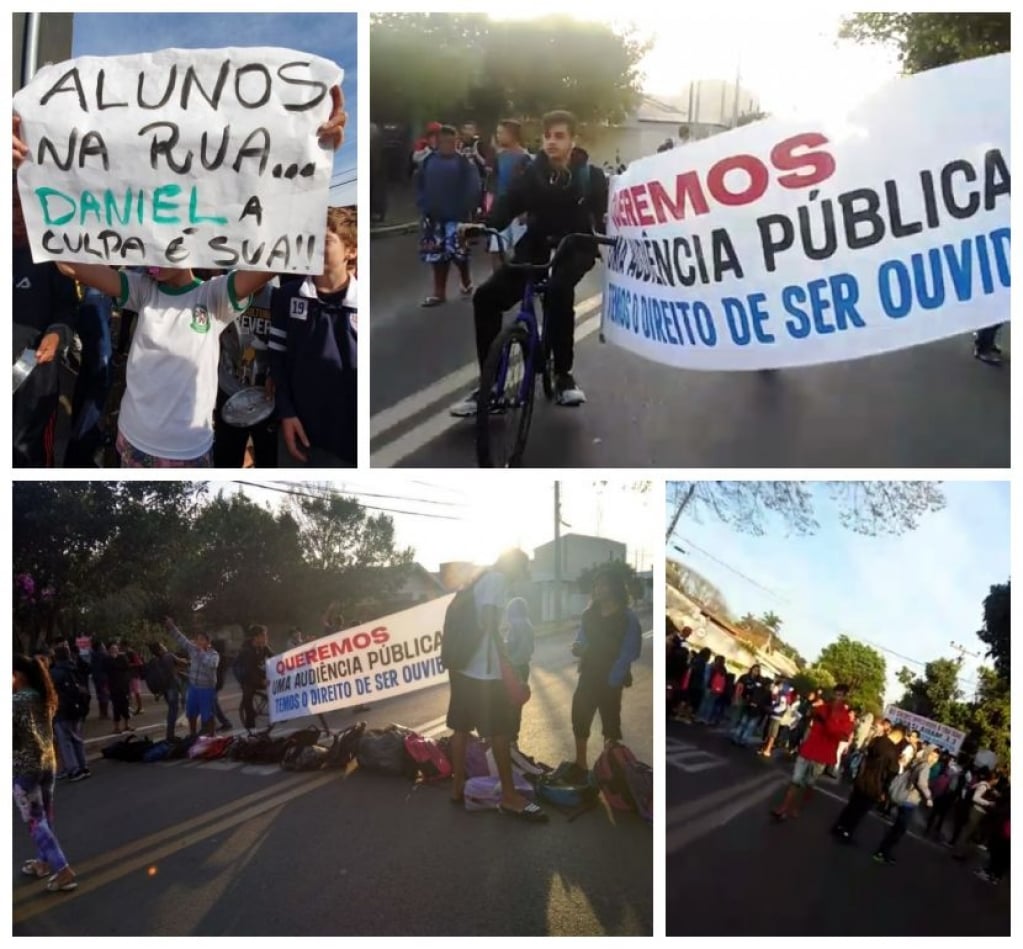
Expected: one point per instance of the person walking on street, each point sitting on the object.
(829, 726)
(135, 665)
(908, 791)
(201, 701)
(982, 797)
(72, 707)
(98, 665)
(783, 716)
(33, 707)
(878, 769)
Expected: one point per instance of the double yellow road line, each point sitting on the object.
(97, 872)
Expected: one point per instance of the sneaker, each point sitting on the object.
(468, 407)
(991, 356)
(79, 775)
(884, 858)
(982, 874)
(567, 392)
(62, 775)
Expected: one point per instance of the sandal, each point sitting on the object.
(467, 291)
(34, 868)
(530, 813)
(54, 886)
(432, 301)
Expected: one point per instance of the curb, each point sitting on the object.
(394, 230)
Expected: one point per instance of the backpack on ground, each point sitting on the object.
(259, 748)
(304, 758)
(210, 747)
(159, 752)
(484, 793)
(626, 783)
(179, 747)
(345, 746)
(563, 788)
(530, 767)
(431, 762)
(158, 679)
(131, 748)
(383, 750)
(462, 631)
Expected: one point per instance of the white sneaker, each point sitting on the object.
(567, 391)
(467, 408)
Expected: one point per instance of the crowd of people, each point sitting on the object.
(190, 341)
(532, 198)
(891, 769)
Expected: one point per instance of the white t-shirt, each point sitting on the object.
(167, 409)
(490, 590)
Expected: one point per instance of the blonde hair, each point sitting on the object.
(345, 224)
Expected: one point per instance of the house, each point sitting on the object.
(415, 585)
(703, 108)
(579, 553)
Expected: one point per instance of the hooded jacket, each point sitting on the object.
(556, 203)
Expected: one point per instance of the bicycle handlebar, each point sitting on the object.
(600, 239)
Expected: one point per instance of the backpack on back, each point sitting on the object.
(462, 631)
(626, 783)
(158, 681)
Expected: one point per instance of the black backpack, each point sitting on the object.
(345, 746)
(131, 748)
(158, 680)
(462, 631)
(383, 750)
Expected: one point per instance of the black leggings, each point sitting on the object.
(592, 696)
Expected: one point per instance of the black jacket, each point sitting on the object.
(555, 204)
(880, 764)
(44, 302)
(252, 665)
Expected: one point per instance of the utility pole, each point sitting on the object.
(679, 510)
(557, 551)
(963, 652)
(735, 104)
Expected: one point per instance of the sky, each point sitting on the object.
(913, 594)
(332, 36)
(790, 59)
(475, 521)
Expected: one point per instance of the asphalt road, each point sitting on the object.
(218, 848)
(732, 871)
(928, 406)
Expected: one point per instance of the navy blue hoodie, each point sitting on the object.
(313, 356)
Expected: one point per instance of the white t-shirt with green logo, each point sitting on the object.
(167, 409)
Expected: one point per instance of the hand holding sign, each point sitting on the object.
(180, 158)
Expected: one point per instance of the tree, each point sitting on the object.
(697, 587)
(936, 694)
(813, 679)
(771, 620)
(460, 66)
(865, 507)
(927, 40)
(995, 632)
(860, 667)
(625, 570)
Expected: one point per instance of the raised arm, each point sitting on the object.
(98, 276)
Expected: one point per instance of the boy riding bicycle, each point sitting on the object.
(561, 193)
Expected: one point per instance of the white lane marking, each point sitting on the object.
(689, 757)
(680, 813)
(448, 387)
(437, 424)
(685, 834)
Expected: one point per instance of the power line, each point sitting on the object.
(369, 507)
(824, 622)
(388, 497)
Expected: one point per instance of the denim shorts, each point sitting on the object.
(806, 772)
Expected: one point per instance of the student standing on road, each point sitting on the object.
(879, 767)
(677, 661)
(783, 716)
(478, 698)
(252, 672)
(981, 797)
(200, 703)
(33, 706)
(119, 678)
(562, 193)
(98, 668)
(696, 686)
(753, 694)
(717, 681)
(135, 682)
(909, 791)
(447, 191)
(829, 725)
(609, 641)
(72, 707)
(165, 679)
(220, 647)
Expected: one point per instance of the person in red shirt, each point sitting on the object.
(829, 727)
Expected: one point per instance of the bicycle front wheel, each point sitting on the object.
(502, 427)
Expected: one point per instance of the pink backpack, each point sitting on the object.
(626, 783)
(431, 762)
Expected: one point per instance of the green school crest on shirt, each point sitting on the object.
(200, 319)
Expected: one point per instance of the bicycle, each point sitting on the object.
(519, 354)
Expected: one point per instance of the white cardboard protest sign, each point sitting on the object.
(179, 158)
(391, 656)
(931, 732)
(788, 243)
